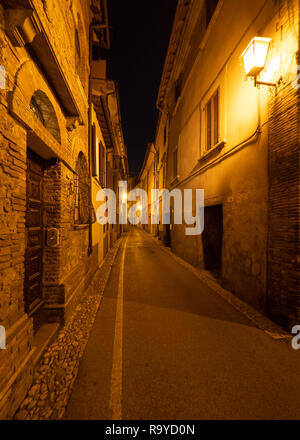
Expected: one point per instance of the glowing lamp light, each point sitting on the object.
(124, 197)
(255, 55)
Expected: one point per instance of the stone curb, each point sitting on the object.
(56, 372)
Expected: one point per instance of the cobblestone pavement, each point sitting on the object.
(56, 372)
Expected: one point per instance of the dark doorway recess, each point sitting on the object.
(34, 239)
(168, 236)
(212, 237)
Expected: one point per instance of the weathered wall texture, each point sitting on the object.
(253, 170)
(283, 250)
(62, 95)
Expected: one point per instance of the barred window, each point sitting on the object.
(77, 52)
(43, 110)
(35, 108)
(82, 187)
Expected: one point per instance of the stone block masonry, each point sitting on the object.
(55, 375)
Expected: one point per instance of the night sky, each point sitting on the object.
(140, 32)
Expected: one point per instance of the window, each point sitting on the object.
(102, 165)
(82, 184)
(77, 52)
(212, 121)
(36, 110)
(43, 110)
(175, 163)
(210, 9)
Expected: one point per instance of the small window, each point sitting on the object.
(43, 110)
(175, 163)
(212, 121)
(102, 165)
(77, 52)
(35, 108)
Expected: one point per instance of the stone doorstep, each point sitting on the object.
(42, 339)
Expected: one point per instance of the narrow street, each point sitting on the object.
(164, 346)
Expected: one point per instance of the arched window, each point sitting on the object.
(82, 183)
(36, 110)
(77, 52)
(42, 109)
(80, 52)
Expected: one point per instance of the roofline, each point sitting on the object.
(149, 148)
(181, 14)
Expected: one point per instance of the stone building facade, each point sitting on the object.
(50, 246)
(238, 142)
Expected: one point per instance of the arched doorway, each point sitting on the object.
(43, 110)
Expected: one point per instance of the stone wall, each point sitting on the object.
(20, 128)
(283, 249)
(253, 170)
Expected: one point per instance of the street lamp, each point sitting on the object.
(255, 56)
(124, 197)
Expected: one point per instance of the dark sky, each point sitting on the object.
(140, 32)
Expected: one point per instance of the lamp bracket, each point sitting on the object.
(263, 83)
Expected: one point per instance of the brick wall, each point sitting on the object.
(283, 234)
(19, 128)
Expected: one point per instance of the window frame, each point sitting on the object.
(212, 120)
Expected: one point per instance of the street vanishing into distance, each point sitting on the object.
(165, 346)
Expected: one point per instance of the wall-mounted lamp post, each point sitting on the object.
(254, 57)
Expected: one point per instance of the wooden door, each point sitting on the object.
(34, 237)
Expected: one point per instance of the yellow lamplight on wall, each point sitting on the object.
(255, 56)
(124, 197)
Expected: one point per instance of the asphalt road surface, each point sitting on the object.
(165, 346)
